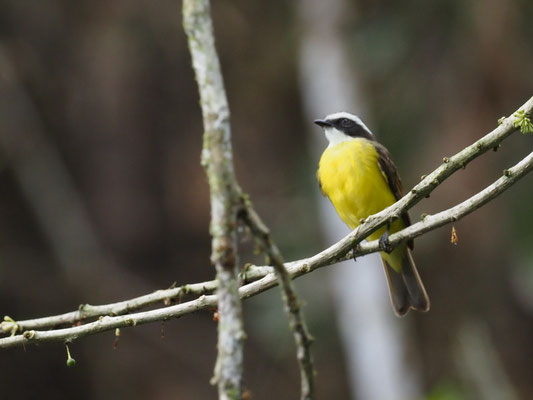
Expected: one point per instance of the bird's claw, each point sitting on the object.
(354, 251)
(384, 243)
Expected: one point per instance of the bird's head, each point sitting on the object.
(343, 126)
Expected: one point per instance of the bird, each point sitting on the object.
(358, 176)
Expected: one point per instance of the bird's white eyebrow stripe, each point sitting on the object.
(343, 114)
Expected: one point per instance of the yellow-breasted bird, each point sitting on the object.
(359, 177)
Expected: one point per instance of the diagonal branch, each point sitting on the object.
(295, 269)
(107, 323)
(430, 222)
(86, 312)
(293, 308)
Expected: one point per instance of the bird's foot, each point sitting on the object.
(354, 252)
(384, 243)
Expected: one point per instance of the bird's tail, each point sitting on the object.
(405, 286)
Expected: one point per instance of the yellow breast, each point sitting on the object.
(350, 176)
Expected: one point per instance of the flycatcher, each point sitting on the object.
(359, 177)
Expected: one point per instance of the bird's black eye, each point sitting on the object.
(345, 122)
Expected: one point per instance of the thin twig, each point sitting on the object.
(108, 323)
(217, 160)
(88, 311)
(295, 269)
(293, 305)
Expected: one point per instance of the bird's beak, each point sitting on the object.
(322, 123)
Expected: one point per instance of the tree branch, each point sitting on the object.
(88, 311)
(108, 323)
(331, 255)
(225, 199)
(430, 222)
(297, 323)
(217, 160)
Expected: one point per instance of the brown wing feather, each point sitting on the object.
(388, 169)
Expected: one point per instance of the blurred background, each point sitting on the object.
(102, 196)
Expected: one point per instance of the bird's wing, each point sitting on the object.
(390, 173)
